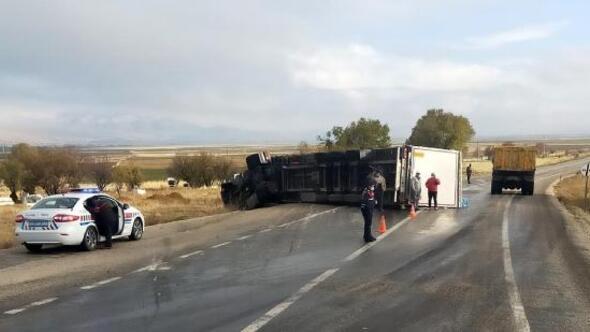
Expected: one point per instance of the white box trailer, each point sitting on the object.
(446, 164)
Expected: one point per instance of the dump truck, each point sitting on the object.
(514, 168)
(338, 177)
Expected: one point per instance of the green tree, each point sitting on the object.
(361, 134)
(440, 129)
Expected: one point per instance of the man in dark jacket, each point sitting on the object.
(368, 203)
(106, 215)
(469, 172)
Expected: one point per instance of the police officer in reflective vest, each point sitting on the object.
(368, 203)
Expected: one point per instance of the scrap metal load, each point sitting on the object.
(339, 177)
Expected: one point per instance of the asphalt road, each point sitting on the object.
(506, 263)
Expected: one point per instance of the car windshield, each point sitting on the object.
(56, 203)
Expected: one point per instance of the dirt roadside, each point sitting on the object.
(577, 220)
(31, 276)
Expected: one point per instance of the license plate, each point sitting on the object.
(38, 223)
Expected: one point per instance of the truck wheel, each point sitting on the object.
(90, 239)
(33, 247)
(252, 202)
(528, 188)
(496, 188)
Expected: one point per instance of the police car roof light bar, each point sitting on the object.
(85, 190)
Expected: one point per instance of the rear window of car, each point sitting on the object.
(56, 203)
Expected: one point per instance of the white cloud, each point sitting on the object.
(517, 35)
(361, 67)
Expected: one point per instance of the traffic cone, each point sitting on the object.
(382, 226)
(412, 212)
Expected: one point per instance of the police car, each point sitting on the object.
(63, 219)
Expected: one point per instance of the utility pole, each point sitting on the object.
(586, 190)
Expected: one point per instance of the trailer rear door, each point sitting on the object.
(446, 164)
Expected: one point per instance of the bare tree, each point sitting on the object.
(130, 176)
(200, 170)
(11, 173)
(101, 172)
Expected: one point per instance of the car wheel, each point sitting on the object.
(90, 239)
(34, 247)
(137, 230)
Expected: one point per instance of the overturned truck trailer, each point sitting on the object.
(339, 177)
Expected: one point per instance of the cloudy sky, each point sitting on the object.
(196, 71)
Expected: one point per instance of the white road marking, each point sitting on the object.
(106, 281)
(309, 217)
(221, 245)
(87, 287)
(369, 245)
(191, 254)
(279, 308)
(14, 311)
(34, 304)
(151, 267)
(518, 312)
(42, 302)
(265, 230)
(241, 238)
(100, 283)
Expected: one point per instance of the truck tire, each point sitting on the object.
(252, 202)
(496, 187)
(528, 188)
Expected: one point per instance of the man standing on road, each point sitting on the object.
(469, 171)
(380, 186)
(415, 190)
(432, 185)
(367, 205)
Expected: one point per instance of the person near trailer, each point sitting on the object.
(432, 185)
(105, 215)
(415, 190)
(368, 203)
(380, 187)
(469, 172)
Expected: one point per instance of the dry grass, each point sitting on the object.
(556, 159)
(165, 205)
(571, 191)
(478, 166)
(7, 214)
